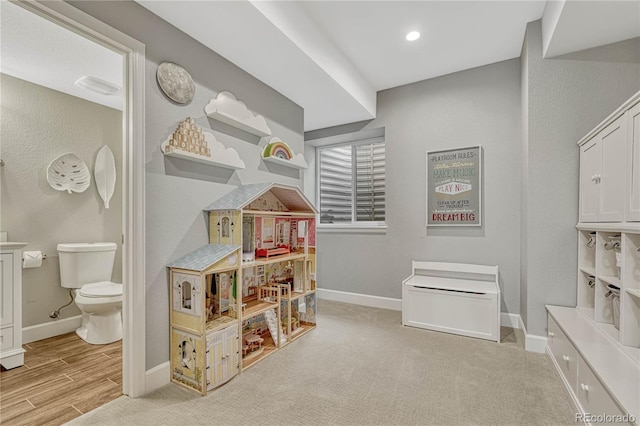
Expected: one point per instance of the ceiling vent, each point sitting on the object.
(97, 85)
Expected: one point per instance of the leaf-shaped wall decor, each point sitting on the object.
(104, 173)
(68, 173)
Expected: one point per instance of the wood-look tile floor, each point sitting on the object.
(62, 378)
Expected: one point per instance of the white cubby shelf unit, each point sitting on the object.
(595, 346)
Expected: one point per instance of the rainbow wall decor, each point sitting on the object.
(278, 149)
(279, 152)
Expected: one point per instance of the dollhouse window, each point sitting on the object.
(225, 227)
(186, 295)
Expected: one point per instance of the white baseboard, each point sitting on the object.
(533, 343)
(510, 320)
(157, 377)
(50, 329)
(360, 299)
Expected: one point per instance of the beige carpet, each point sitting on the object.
(361, 367)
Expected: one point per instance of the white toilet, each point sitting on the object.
(86, 268)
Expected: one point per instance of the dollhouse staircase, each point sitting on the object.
(273, 324)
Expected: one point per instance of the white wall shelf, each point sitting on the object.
(279, 152)
(229, 110)
(238, 124)
(201, 159)
(283, 162)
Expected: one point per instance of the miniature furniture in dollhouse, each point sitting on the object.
(272, 251)
(228, 313)
(453, 297)
(291, 322)
(254, 342)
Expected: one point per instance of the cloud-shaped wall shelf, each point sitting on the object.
(278, 152)
(227, 109)
(189, 142)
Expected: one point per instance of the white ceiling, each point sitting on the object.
(571, 26)
(36, 50)
(455, 35)
(330, 57)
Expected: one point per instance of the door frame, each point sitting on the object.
(133, 229)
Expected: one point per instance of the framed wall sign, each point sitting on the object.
(454, 192)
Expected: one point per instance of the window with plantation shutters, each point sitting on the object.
(351, 183)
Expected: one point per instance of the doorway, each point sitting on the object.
(131, 179)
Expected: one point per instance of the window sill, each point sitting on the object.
(351, 229)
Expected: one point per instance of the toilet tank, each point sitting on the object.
(84, 263)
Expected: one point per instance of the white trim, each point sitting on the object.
(360, 299)
(510, 320)
(351, 229)
(133, 258)
(361, 137)
(50, 329)
(533, 343)
(157, 377)
(630, 227)
(506, 319)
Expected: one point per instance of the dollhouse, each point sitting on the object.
(249, 292)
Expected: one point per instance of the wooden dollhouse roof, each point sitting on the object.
(205, 256)
(239, 198)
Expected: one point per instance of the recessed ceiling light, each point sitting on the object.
(97, 85)
(413, 35)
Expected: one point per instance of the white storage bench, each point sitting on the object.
(455, 298)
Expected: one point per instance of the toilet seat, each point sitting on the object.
(101, 289)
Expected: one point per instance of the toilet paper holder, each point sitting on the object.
(44, 256)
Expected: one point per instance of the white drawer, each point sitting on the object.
(6, 338)
(593, 397)
(564, 353)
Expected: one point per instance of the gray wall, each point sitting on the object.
(480, 106)
(563, 99)
(38, 125)
(178, 190)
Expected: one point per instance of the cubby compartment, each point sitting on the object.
(586, 289)
(608, 257)
(630, 320)
(603, 303)
(587, 251)
(630, 296)
(616, 265)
